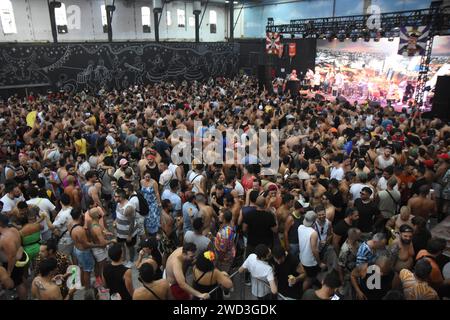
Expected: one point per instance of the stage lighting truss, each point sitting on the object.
(437, 17)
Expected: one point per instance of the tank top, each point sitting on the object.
(123, 225)
(304, 240)
(114, 280)
(31, 244)
(195, 179)
(216, 295)
(86, 198)
(373, 293)
(382, 163)
(293, 231)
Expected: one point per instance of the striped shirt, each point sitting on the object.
(365, 255)
(123, 224)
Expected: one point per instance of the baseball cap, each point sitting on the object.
(310, 218)
(272, 187)
(428, 163)
(123, 161)
(333, 130)
(303, 202)
(444, 156)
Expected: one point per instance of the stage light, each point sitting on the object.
(391, 39)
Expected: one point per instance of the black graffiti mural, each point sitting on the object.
(80, 66)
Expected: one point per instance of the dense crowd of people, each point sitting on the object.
(91, 196)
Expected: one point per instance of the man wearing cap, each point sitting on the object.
(293, 221)
(120, 173)
(309, 249)
(402, 250)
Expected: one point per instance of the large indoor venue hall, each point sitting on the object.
(259, 153)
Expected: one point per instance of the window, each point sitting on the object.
(104, 19)
(61, 18)
(181, 18)
(191, 22)
(169, 18)
(61, 15)
(212, 17)
(7, 17)
(212, 21)
(145, 14)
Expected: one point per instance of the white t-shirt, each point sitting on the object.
(46, 206)
(168, 175)
(239, 189)
(356, 188)
(9, 204)
(195, 179)
(62, 220)
(43, 204)
(261, 273)
(303, 175)
(382, 184)
(84, 168)
(337, 173)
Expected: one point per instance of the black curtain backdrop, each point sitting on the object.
(91, 66)
(253, 53)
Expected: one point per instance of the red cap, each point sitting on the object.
(444, 156)
(428, 163)
(272, 187)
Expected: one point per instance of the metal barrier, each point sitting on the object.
(243, 286)
(218, 286)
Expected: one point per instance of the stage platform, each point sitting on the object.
(398, 107)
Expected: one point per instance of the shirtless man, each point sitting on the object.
(151, 290)
(206, 212)
(12, 256)
(73, 191)
(315, 190)
(421, 205)
(44, 287)
(176, 265)
(5, 280)
(97, 233)
(405, 217)
(402, 251)
(284, 211)
(82, 246)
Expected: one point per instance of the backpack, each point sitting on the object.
(143, 204)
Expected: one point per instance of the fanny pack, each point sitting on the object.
(21, 264)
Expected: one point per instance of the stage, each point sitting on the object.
(398, 106)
